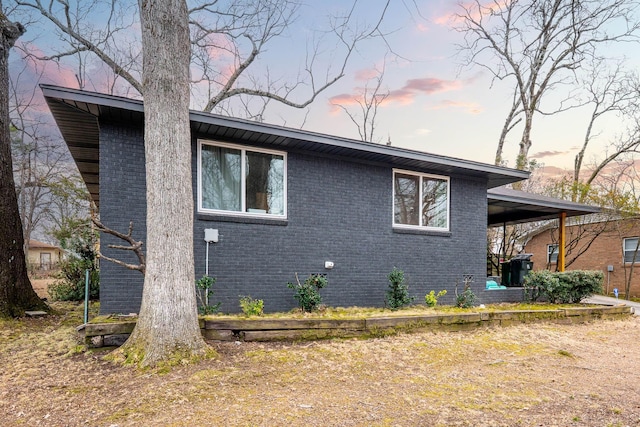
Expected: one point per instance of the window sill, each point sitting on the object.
(421, 232)
(241, 219)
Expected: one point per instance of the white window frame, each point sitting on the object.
(243, 187)
(550, 253)
(421, 176)
(624, 250)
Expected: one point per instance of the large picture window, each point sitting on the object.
(630, 245)
(237, 179)
(420, 200)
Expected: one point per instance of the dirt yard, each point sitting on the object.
(528, 375)
(40, 285)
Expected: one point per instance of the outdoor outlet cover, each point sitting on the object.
(328, 265)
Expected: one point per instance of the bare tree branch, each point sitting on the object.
(134, 245)
(540, 46)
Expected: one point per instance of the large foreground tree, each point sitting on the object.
(16, 292)
(168, 323)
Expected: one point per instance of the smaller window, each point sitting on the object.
(630, 248)
(552, 254)
(420, 200)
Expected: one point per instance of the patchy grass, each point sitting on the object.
(503, 376)
(347, 313)
(350, 313)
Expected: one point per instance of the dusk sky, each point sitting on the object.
(434, 105)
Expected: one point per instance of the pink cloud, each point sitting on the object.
(551, 172)
(47, 71)
(550, 153)
(476, 10)
(366, 74)
(471, 107)
(432, 85)
(404, 96)
(426, 86)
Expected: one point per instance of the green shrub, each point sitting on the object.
(540, 284)
(204, 286)
(70, 280)
(567, 287)
(398, 292)
(466, 299)
(308, 293)
(251, 307)
(431, 299)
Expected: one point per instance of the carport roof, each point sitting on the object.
(507, 206)
(77, 112)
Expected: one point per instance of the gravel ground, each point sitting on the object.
(526, 375)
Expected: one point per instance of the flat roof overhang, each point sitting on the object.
(78, 112)
(507, 206)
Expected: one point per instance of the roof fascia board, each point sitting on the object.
(112, 101)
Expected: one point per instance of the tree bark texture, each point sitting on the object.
(168, 320)
(16, 292)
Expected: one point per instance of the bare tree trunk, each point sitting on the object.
(509, 124)
(525, 143)
(168, 323)
(16, 292)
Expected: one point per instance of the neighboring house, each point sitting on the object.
(43, 256)
(608, 246)
(284, 201)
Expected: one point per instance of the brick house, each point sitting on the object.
(282, 201)
(606, 245)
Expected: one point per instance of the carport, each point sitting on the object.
(507, 207)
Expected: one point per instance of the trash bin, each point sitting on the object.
(505, 271)
(520, 265)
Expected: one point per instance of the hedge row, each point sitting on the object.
(567, 287)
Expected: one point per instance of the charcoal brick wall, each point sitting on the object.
(122, 200)
(338, 211)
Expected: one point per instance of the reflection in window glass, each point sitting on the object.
(221, 171)
(265, 183)
(434, 202)
(236, 179)
(406, 205)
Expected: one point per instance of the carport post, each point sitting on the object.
(562, 241)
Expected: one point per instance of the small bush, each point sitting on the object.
(539, 284)
(398, 292)
(308, 293)
(62, 290)
(466, 299)
(70, 280)
(251, 307)
(204, 285)
(431, 299)
(78, 239)
(567, 287)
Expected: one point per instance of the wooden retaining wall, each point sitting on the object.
(258, 329)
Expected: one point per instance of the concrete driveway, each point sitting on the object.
(602, 300)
